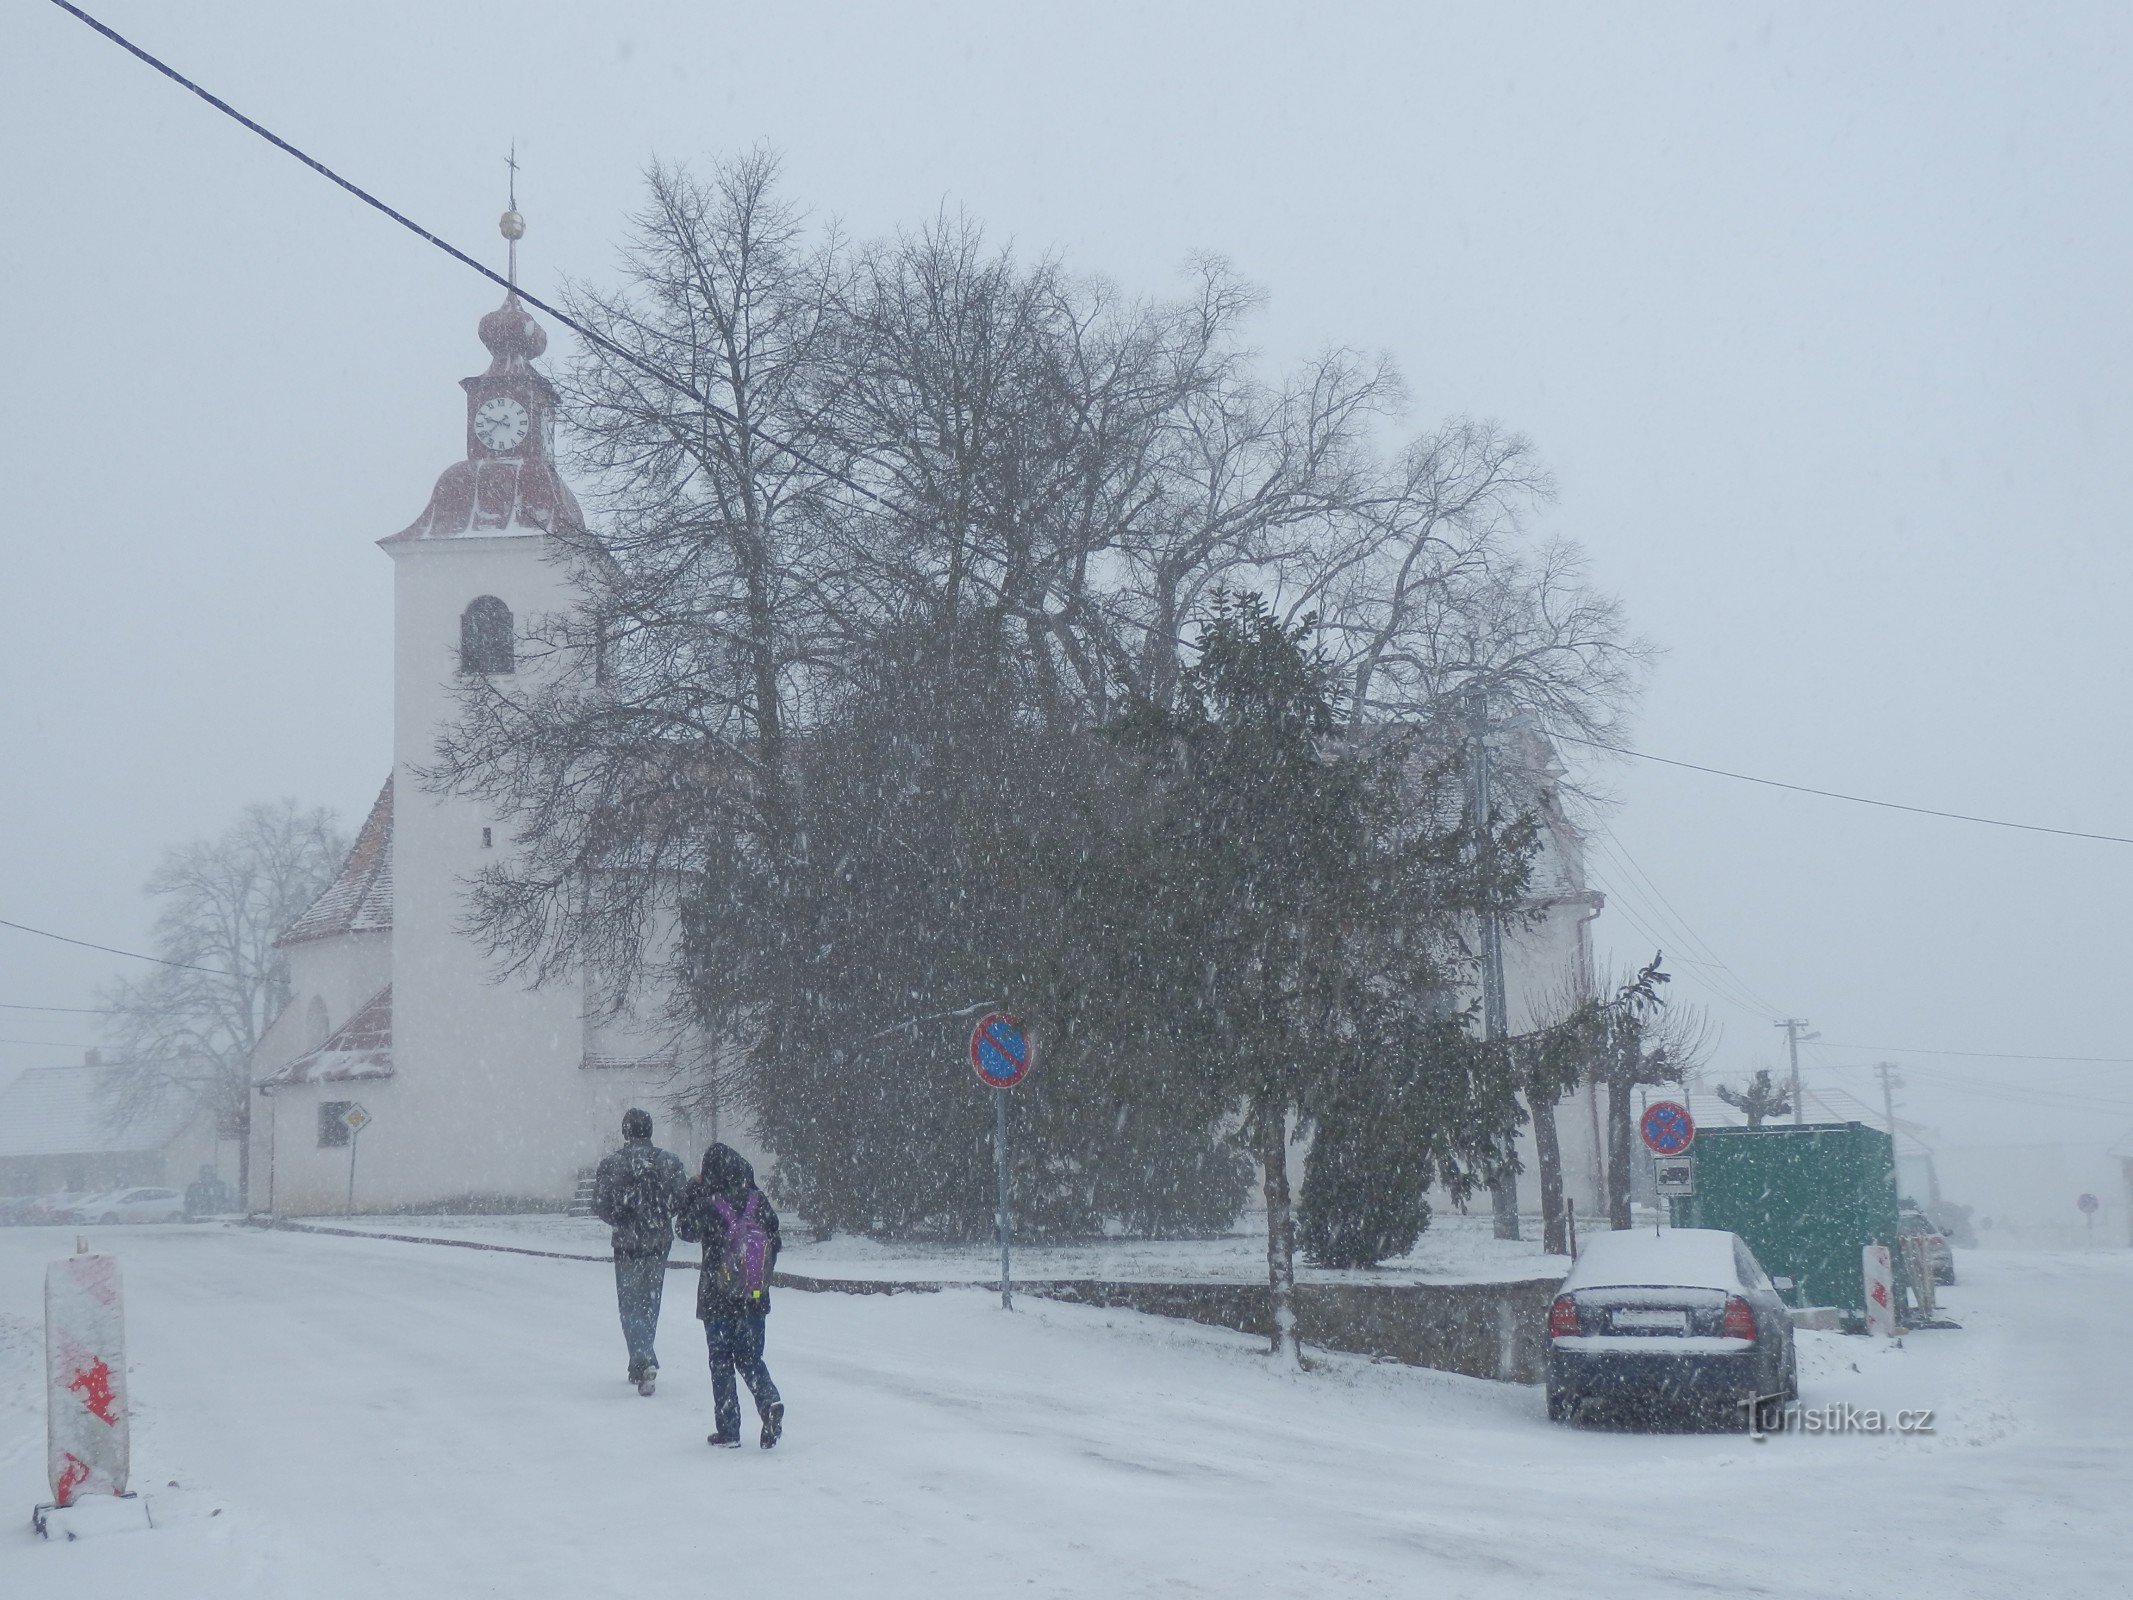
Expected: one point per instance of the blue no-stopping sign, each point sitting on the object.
(999, 1051)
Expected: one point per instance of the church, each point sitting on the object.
(403, 1073)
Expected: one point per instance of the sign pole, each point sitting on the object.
(355, 1136)
(1006, 1222)
(355, 1119)
(1001, 1056)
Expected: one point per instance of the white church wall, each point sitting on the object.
(1547, 966)
(336, 975)
(488, 1094)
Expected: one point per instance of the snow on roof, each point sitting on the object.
(1671, 1258)
(66, 1111)
(362, 1047)
(360, 898)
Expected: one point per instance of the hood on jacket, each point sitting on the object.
(726, 1172)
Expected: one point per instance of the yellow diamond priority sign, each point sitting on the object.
(356, 1118)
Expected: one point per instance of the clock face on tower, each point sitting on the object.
(501, 422)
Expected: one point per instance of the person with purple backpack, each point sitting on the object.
(738, 1228)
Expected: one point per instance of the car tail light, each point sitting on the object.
(1738, 1321)
(1563, 1318)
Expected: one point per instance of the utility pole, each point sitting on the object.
(1890, 1082)
(1495, 1022)
(1794, 1027)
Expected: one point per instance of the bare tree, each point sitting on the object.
(932, 475)
(1637, 1039)
(1439, 588)
(1759, 1099)
(188, 1029)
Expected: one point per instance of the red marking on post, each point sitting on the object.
(99, 1279)
(76, 1474)
(94, 1383)
(1880, 1293)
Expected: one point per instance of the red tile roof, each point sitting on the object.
(360, 898)
(362, 1047)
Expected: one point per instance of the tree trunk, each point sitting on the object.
(244, 1157)
(1619, 1122)
(1548, 1156)
(1271, 1132)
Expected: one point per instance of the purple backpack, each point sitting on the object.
(744, 1267)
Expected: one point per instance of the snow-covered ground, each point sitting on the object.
(337, 1417)
(1455, 1249)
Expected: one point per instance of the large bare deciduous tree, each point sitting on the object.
(947, 513)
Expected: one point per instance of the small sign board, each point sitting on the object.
(999, 1051)
(1676, 1176)
(1667, 1127)
(356, 1118)
(2089, 1205)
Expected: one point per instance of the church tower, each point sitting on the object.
(501, 1083)
(475, 1086)
(477, 1064)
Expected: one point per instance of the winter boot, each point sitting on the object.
(648, 1377)
(773, 1423)
(636, 1372)
(723, 1441)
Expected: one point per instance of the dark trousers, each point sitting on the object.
(736, 1342)
(640, 1282)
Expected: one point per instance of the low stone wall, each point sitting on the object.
(1485, 1330)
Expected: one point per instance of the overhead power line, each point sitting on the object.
(1981, 1055)
(683, 387)
(658, 374)
(109, 950)
(1855, 799)
(79, 1011)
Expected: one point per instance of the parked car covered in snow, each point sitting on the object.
(53, 1207)
(129, 1205)
(1681, 1323)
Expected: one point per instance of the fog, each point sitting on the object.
(1818, 317)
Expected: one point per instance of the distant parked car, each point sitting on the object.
(1940, 1256)
(49, 1208)
(1682, 1324)
(15, 1208)
(129, 1205)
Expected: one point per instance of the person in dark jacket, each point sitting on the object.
(732, 1314)
(635, 1192)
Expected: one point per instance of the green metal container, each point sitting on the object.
(1807, 1197)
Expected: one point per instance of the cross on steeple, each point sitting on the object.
(512, 224)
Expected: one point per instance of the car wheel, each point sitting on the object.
(1562, 1407)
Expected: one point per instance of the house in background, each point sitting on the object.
(61, 1129)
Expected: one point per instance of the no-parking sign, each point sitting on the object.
(1667, 1127)
(999, 1051)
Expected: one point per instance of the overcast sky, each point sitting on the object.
(1819, 316)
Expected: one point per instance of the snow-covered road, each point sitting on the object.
(345, 1417)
